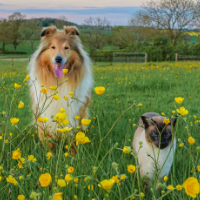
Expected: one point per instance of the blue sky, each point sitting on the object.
(117, 12)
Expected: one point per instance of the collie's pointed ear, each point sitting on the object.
(71, 30)
(48, 31)
(173, 119)
(147, 121)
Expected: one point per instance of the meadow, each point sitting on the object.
(140, 88)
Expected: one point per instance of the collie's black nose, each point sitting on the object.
(58, 59)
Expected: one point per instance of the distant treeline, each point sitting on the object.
(19, 35)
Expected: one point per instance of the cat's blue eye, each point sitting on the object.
(154, 134)
(167, 134)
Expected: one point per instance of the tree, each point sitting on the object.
(140, 26)
(31, 31)
(4, 33)
(96, 34)
(171, 16)
(16, 35)
(121, 37)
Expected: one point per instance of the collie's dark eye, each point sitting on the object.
(66, 47)
(53, 47)
(167, 134)
(154, 134)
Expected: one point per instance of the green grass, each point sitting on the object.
(155, 85)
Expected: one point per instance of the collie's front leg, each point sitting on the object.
(42, 135)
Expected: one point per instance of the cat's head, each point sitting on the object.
(156, 128)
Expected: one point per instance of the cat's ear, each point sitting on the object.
(173, 120)
(147, 121)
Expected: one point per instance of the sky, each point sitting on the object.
(117, 12)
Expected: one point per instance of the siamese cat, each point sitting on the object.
(150, 131)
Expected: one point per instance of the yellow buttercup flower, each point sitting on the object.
(61, 182)
(66, 146)
(49, 154)
(16, 86)
(14, 120)
(62, 110)
(131, 168)
(11, 180)
(21, 197)
(45, 179)
(65, 71)
(70, 93)
(179, 187)
(191, 140)
(20, 165)
(60, 117)
(27, 77)
(44, 90)
(173, 111)
(40, 119)
(64, 130)
(81, 138)
(99, 90)
(70, 170)
(170, 187)
(85, 122)
(66, 154)
(179, 100)
(66, 98)
(68, 178)
(123, 177)
(140, 105)
(77, 117)
(166, 121)
(106, 184)
(75, 180)
(21, 105)
(192, 187)
(182, 111)
(90, 187)
(116, 179)
(142, 194)
(198, 167)
(16, 154)
(32, 158)
(126, 149)
(56, 97)
(53, 87)
(181, 144)
(45, 119)
(57, 196)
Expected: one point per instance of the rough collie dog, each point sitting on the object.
(154, 135)
(60, 49)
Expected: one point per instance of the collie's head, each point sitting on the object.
(59, 49)
(157, 132)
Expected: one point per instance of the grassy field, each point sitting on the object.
(154, 85)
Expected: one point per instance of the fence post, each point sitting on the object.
(111, 59)
(176, 57)
(146, 57)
